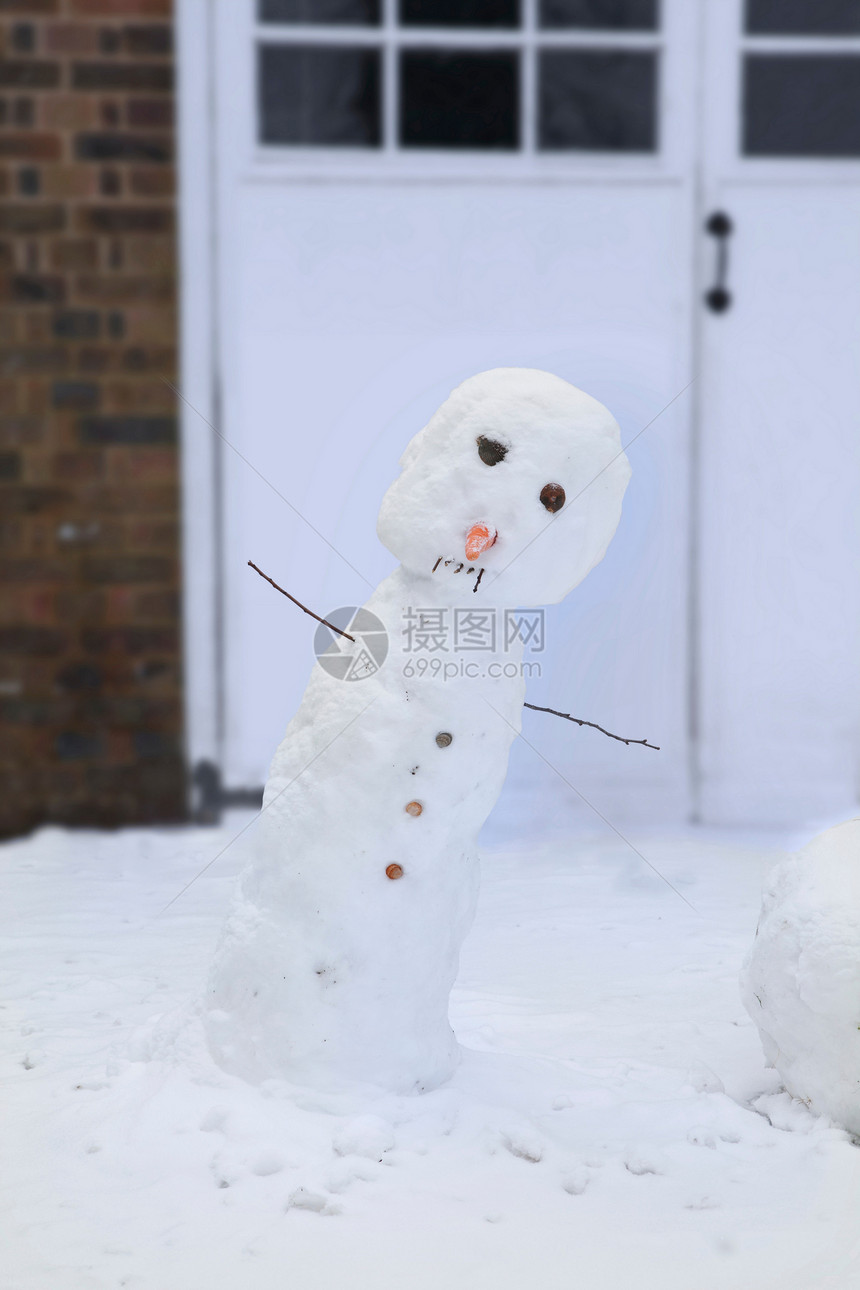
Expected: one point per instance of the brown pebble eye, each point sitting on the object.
(552, 496)
(491, 451)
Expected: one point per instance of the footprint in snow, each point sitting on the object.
(523, 1143)
(267, 1163)
(365, 1135)
(347, 1172)
(214, 1120)
(315, 1201)
(575, 1181)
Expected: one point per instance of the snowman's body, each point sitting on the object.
(338, 958)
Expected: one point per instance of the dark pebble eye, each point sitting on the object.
(491, 451)
(552, 496)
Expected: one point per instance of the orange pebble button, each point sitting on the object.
(394, 871)
(414, 808)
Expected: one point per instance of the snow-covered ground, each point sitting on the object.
(612, 1124)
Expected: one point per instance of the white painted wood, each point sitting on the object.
(199, 446)
(779, 707)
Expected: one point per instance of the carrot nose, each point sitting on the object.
(478, 539)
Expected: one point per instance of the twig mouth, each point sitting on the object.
(461, 565)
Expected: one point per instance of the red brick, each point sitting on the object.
(91, 359)
(31, 147)
(69, 181)
(68, 111)
(124, 395)
(148, 326)
(146, 465)
(137, 500)
(21, 638)
(130, 639)
(29, 7)
(111, 289)
(35, 605)
(142, 358)
(73, 466)
(149, 254)
(116, 8)
(158, 606)
(29, 73)
(152, 535)
(70, 38)
(32, 218)
(150, 40)
(124, 219)
(152, 182)
(80, 253)
(23, 112)
(118, 77)
(149, 114)
(127, 568)
(21, 430)
(34, 289)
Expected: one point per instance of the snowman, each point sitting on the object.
(801, 980)
(336, 963)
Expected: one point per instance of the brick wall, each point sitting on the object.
(90, 685)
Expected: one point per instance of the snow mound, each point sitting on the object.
(801, 980)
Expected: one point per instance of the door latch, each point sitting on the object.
(718, 298)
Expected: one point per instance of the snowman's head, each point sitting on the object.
(518, 474)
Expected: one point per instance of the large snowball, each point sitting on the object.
(801, 980)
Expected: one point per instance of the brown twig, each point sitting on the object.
(303, 608)
(534, 707)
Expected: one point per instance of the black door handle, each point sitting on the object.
(718, 298)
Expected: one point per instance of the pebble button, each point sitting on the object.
(414, 808)
(443, 739)
(394, 871)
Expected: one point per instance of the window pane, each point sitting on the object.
(801, 105)
(609, 15)
(459, 100)
(599, 102)
(460, 13)
(803, 17)
(319, 95)
(350, 12)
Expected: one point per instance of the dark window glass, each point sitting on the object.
(319, 95)
(597, 101)
(351, 13)
(460, 13)
(801, 105)
(459, 100)
(803, 17)
(608, 15)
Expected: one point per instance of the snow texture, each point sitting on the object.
(801, 980)
(601, 1030)
(329, 971)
